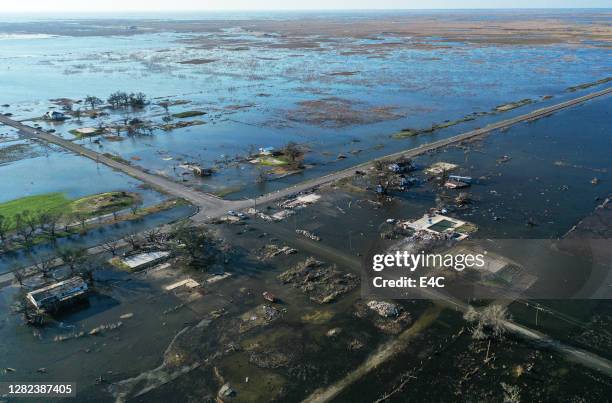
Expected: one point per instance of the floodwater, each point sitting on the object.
(251, 88)
(247, 94)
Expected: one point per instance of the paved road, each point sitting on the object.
(211, 206)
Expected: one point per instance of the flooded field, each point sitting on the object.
(341, 91)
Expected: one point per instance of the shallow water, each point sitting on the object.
(425, 86)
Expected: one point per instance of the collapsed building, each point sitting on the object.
(58, 295)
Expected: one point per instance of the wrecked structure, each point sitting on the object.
(55, 296)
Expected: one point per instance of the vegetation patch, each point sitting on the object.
(337, 112)
(513, 105)
(404, 133)
(178, 125)
(54, 203)
(588, 85)
(198, 61)
(86, 132)
(104, 203)
(16, 152)
(38, 203)
(188, 114)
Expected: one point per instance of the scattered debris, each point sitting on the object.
(188, 282)
(307, 234)
(259, 316)
(102, 328)
(323, 284)
(226, 391)
(452, 184)
(440, 167)
(271, 250)
(300, 201)
(384, 309)
(268, 296)
(281, 215)
(503, 159)
(217, 277)
(333, 332)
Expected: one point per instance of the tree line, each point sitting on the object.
(119, 100)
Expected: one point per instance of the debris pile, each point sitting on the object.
(307, 234)
(271, 250)
(323, 284)
(259, 316)
(269, 358)
(384, 309)
(300, 201)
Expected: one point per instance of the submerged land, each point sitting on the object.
(219, 202)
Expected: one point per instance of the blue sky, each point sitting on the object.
(39, 6)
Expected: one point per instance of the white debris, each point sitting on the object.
(188, 282)
(385, 309)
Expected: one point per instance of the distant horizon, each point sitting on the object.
(286, 11)
(221, 6)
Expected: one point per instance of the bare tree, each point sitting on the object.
(72, 257)
(77, 115)
(81, 218)
(490, 321)
(87, 269)
(44, 266)
(135, 206)
(93, 101)
(262, 175)
(23, 229)
(111, 247)
(19, 275)
(155, 237)
(293, 152)
(134, 241)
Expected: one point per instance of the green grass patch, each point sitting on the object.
(188, 114)
(273, 161)
(82, 135)
(45, 202)
(88, 206)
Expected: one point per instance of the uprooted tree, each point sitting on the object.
(490, 322)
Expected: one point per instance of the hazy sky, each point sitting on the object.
(38, 6)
